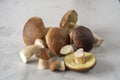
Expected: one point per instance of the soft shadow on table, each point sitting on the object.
(103, 67)
(33, 61)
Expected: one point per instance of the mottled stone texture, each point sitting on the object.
(102, 16)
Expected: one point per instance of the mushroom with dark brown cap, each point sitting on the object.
(68, 22)
(43, 56)
(83, 38)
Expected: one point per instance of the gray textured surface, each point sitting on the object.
(102, 16)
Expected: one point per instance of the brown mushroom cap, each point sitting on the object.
(70, 16)
(33, 29)
(83, 38)
(43, 53)
(53, 64)
(56, 38)
(90, 62)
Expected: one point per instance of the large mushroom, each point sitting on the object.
(83, 38)
(33, 29)
(80, 61)
(56, 38)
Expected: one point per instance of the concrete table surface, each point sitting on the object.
(101, 16)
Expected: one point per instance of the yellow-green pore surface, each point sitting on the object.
(70, 61)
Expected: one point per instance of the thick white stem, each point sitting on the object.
(98, 40)
(40, 42)
(27, 52)
(79, 56)
(62, 66)
(43, 64)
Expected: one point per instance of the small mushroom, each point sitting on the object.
(57, 65)
(43, 56)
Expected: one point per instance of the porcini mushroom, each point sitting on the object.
(69, 16)
(83, 38)
(57, 65)
(33, 29)
(28, 51)
(80, 61)
(56, 38)
(43, 56)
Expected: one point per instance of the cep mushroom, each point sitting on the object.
(69, 22)
(57, 65)
(33, 29)
(28, 51)
(80, 61)
(83, 38)
(43, 56)
(56, 38)
(69, 16)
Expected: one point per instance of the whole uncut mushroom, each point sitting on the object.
(56, 38)
(33, 29)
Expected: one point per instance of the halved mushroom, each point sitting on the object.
(70, 16)
(33, 29)
(73, 62)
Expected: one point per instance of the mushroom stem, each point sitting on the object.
(40, 42)
(79, 56)
(67, 49)
(62, 66)
(43, 64)
(57, 65)
(27, 52)
(98, 40)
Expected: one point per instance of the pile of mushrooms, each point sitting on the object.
(70, 41)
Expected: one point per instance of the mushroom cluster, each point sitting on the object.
(70, 41)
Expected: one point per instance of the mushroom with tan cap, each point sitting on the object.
(30, 50)
(43, 56)
(33, 29)
(57, 65)
(56, 38)
(69, 16)
(80, 61)
(69, 22)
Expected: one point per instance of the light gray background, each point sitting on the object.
(101, 16)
